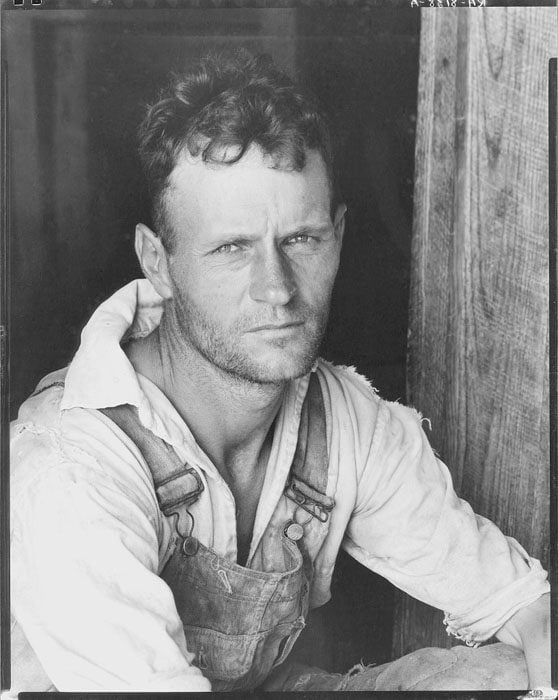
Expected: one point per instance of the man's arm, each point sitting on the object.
(85, 589)
(410, 527)
(529, 629)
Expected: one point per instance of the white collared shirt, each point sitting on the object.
(88, 538)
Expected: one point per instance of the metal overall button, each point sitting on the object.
(295, 530)
(190, 546)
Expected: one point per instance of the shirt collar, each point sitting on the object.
(100, 375)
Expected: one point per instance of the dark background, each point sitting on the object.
(76, 81)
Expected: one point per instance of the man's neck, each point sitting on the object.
(230, 418)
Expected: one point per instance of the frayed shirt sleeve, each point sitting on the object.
(85, 588)
(409, 526)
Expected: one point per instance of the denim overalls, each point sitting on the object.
(241, 622)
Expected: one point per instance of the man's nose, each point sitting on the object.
(272, 278)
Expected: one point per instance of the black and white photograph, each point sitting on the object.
(275, 347)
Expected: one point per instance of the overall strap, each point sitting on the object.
(176, 484)
(309, 472)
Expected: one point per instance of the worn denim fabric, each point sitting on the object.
(240, 623)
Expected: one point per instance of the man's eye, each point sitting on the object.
(299, 238)
(227, 248)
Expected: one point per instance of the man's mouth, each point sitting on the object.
(277, 327)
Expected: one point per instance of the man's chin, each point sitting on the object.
(273, 370)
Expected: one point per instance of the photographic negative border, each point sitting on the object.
(5, 287)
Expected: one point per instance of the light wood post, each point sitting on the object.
(478, 337)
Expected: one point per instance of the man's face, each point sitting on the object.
(253, 265)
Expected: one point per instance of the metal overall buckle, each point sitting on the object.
(179, 507)
(296, 492)
(188, 497)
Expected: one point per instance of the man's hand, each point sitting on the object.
(529, 629)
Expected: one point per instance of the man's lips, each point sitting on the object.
(277, 327)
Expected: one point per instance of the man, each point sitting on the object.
(180, 493)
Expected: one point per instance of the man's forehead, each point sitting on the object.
(247, 187)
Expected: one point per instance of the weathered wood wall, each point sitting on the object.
(478, 337)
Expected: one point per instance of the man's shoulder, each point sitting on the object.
(350, 399)
(346, 381)
(348, 391)
(42, 407)
(35, 434)
(74, 445)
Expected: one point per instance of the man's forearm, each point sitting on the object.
(529, 629)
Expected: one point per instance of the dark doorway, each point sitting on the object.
(76, 80)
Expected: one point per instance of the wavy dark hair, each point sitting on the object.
(218, 111)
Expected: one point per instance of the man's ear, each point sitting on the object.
(339, 222)
(152, 257)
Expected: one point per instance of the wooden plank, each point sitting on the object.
(478, 342)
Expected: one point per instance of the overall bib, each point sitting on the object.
(242, 621)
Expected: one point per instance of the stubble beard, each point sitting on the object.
(222, 348)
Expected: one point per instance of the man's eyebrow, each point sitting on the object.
(232, 237)
(310, 228)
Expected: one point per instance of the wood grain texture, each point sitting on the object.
(478, 338)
